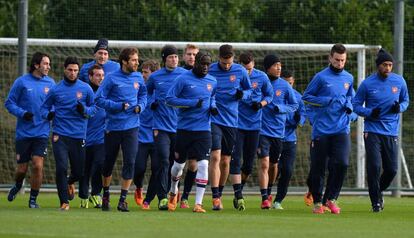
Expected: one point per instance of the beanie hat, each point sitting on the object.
(168, 50)
(270, 60)
(101, 45)
(383, 56)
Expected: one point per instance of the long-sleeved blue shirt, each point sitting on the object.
(291, 123)
(186, 93)
(145, 134)
(329, 93)
(116, 89)
(95, 131)
(64, 97)
(250, 119)
(27, 95)
(165, 116)
(228, 82)
(273, 121)
(376, 92)
(109, 67)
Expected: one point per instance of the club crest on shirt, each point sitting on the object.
(394, 89)
(79, 94)
(136, 85)
(209, 87)
(278, 93)
(232, 78)
(46, 90)
(254, 85)
(346, 85)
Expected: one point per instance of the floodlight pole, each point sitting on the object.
(22, 21)
(398, 68)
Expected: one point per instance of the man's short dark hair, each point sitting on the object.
(226, 51)
(91, 69)
(71, 60)
(286, 74)
(152, 65)
(37, 59)
(246, 58)
(338, 48)
(126, 53)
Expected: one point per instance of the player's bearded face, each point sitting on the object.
(101, 56)
(44, 66)
(132, 64)
(71, 72)
(385, 68)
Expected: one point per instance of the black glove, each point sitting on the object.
(199, 103)
(257, 106)
(80, 108)
(296, 117)
(376, 112)
(239, 94)
(137, 109)
(276, 109)
(348, 110)
(395, 108)
(28, 116)
(50, 116)
(154, 105)
(214, 111)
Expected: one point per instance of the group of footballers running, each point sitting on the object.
(217, 117)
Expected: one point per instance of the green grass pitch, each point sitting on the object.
(356, 220)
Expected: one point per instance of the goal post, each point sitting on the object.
(303, 59)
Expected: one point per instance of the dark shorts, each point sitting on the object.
(29, 147)
(193, 145)
(270, 146)
(223, 138)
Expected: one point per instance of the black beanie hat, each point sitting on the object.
(270, 60)
(168, 50)
(101, 45)
(383, 56)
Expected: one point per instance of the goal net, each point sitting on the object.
(303, 59)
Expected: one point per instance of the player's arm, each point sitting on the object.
(292, 104)
(173, 96)
(246, 85)
(267, 92)
(310, 96)
(404, 99)
(90, 108)
(358, 102)
(13, 98)
(47, 106)
(102, 97)
(141, 97)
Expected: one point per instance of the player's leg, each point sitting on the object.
(201, 150)
(129, 153)
(77, 163)
(251, 142)
(84, 181)
(389, 156)
(285, 170)
(188, 181)
(23, 156)
(235, 171)
(214, 166)
(263, 155)
(112, 145)
(162, 143)
(39, 152)
(227, 143)
(61, 154)
(139, 173)
(96, 175)
(276, 148)
(319, 158)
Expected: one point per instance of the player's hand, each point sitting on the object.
(154, 105)
(239, 94)
(395, 108)
(257, 106)
(28, 116)
(137, 109)
(125, 106)
(199, 103)
(296, 117)
(376, 113)
(214, 111)
(50, 116)
(80, 108)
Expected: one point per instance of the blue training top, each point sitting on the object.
(291, 123)
(273, 121)
(64, 97)
(96, 128)
(116, 89)
(145, 134)
(227, 84)
(159, 82)
(185, 95)
(376, 92)
(27, 95)
(330, 93)
(250, 119)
